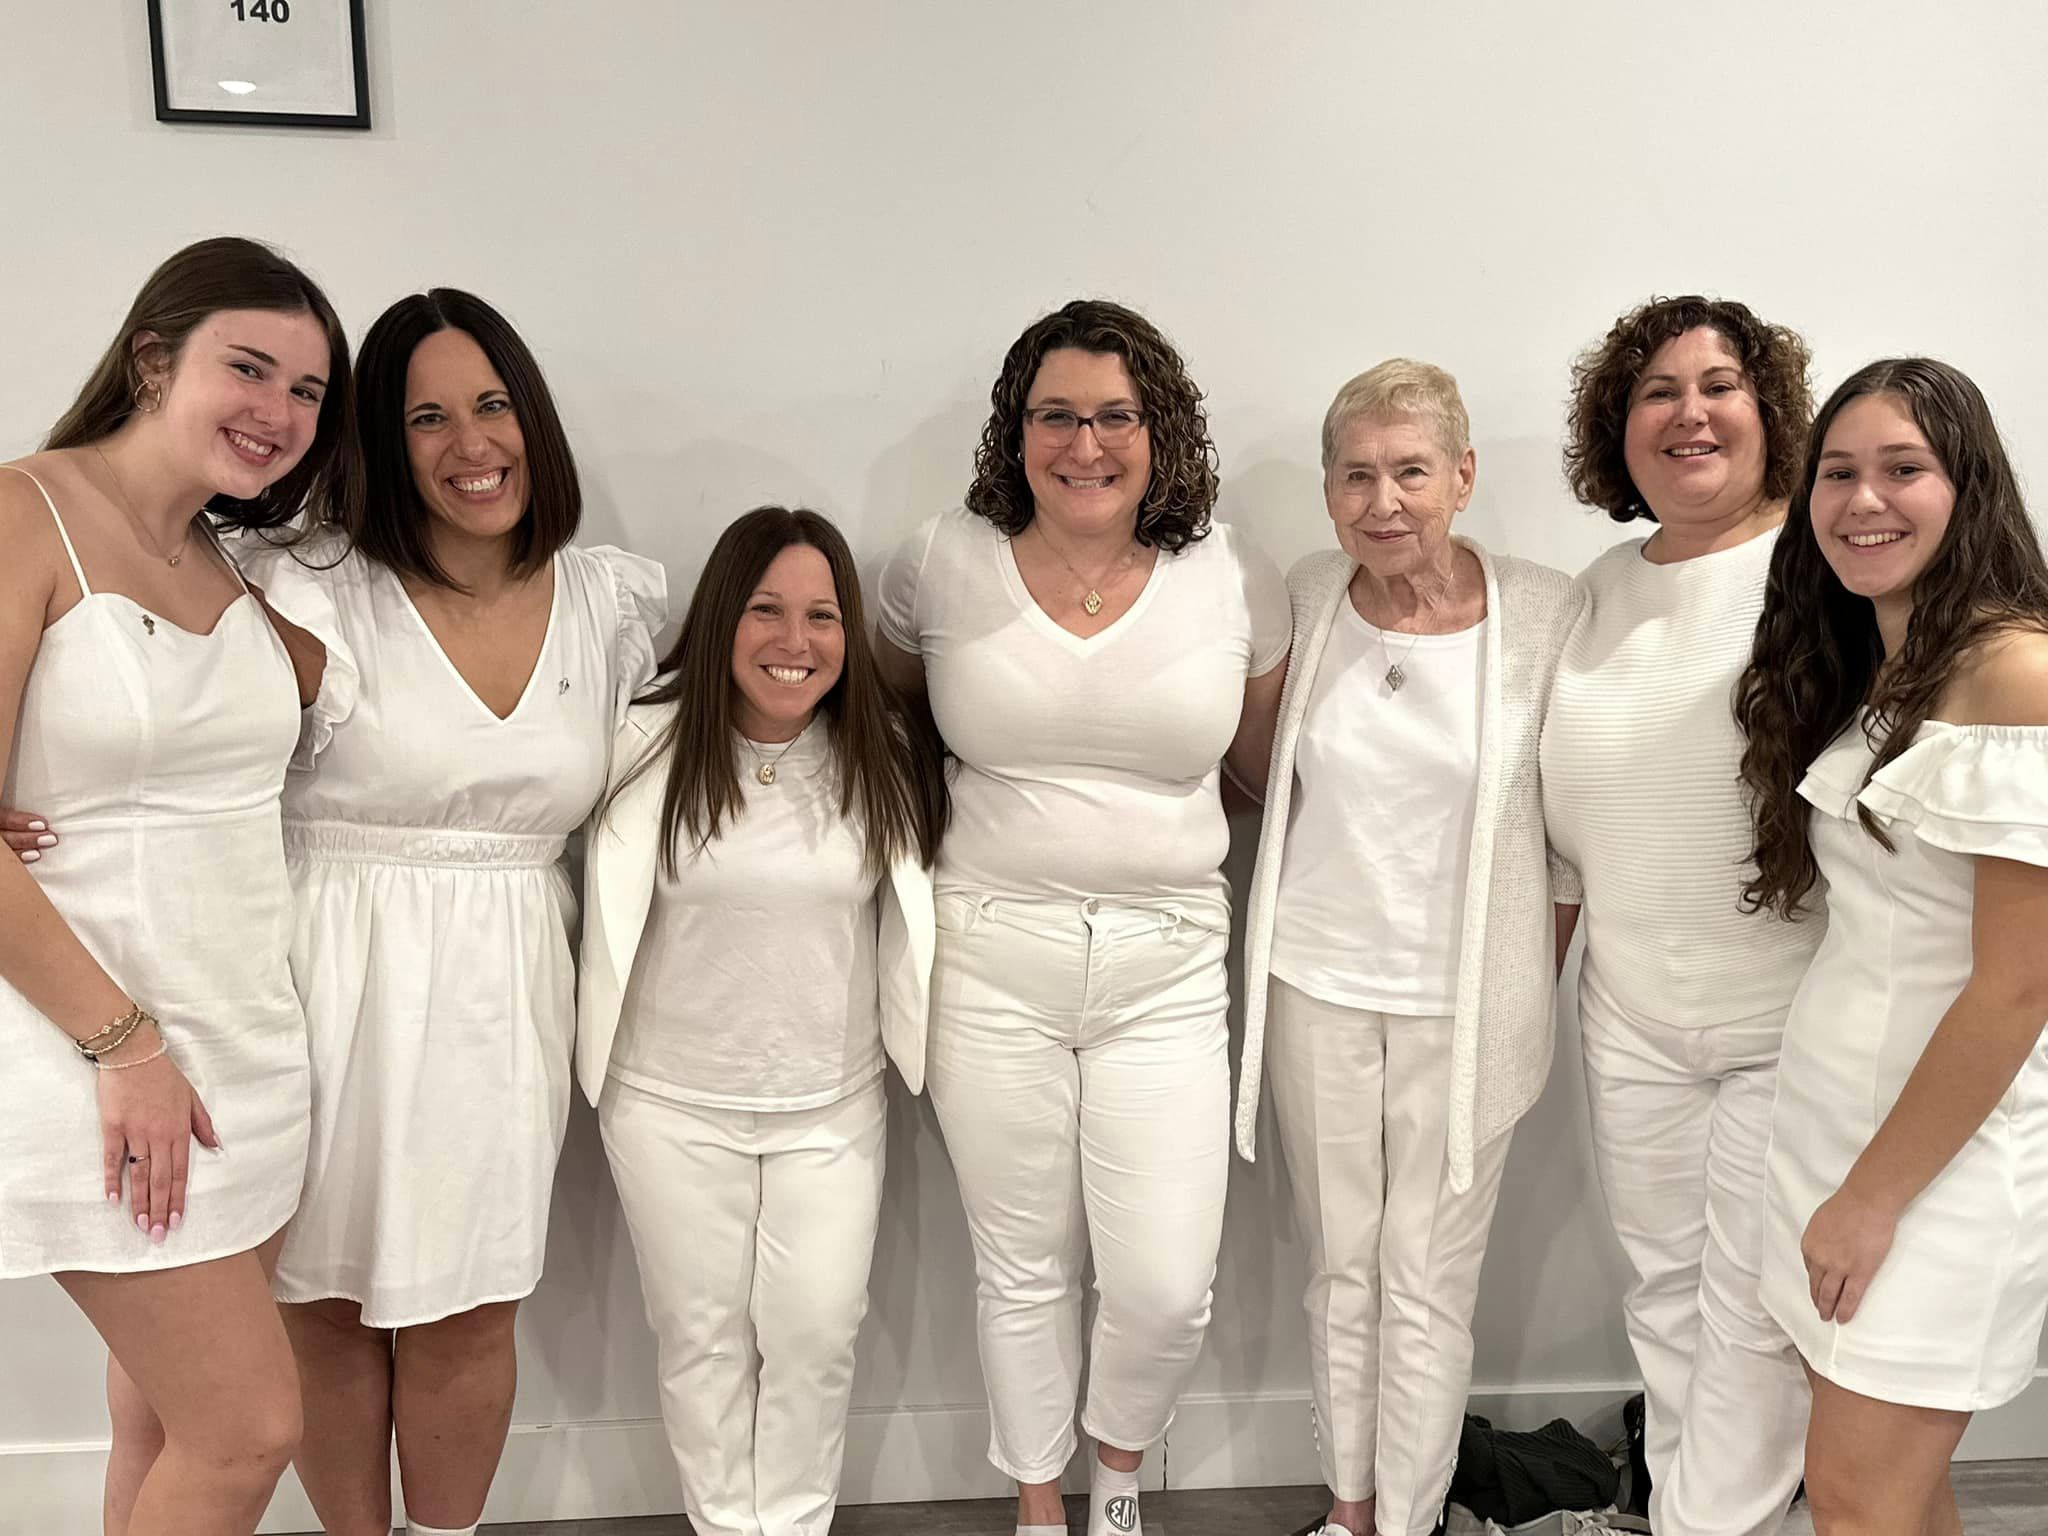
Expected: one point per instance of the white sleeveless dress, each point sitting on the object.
(424, 837)
(1953, 1316)
(161, 755)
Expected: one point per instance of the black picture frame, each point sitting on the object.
(169, 112)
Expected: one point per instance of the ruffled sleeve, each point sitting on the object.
(300, 581)
(1974, 789)
(640, 590)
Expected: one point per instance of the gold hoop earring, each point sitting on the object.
(148, 396)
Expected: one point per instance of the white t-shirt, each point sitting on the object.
(1088, 767)
(1371, 904)
(754, 983)
(1641, 790)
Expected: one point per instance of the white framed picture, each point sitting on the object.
(296, 63)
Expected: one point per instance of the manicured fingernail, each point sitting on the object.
(39, 826)
(157, 1233)
(177, 1220)
(142, 1223)
(113, 1197)
(47, 840)
(29, 856)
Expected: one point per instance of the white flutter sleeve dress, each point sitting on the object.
(424, 837)
(1953, 1316)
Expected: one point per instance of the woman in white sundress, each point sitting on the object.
(1896, 708)
(146, 701)
(472, 667)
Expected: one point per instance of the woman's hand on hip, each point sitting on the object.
(26, 833)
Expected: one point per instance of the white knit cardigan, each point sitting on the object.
(1504, 1026)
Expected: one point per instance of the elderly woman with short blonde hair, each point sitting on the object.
(1402, 935)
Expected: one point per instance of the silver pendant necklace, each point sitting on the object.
(1395, 675)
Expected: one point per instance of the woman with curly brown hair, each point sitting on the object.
(1896, 708)
(1690, 414)
(1094, 646)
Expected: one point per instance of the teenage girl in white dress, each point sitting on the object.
(147, 702)
(757, 935)
(1897, 716)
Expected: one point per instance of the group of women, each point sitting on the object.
(304, 688)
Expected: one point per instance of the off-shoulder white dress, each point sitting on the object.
(1953, 1316)
(424, 837)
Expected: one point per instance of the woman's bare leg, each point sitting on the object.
(345, 1374)
(451, 1403)
(204, 1353)
(1875, 1468)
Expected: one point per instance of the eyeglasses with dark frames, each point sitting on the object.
(1116, 427)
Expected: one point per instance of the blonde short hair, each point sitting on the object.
(1400, 386)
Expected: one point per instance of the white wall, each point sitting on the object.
(775, 252)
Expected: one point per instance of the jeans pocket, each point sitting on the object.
(957, 914)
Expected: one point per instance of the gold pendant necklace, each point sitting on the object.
(176, 556)
(1091, 601)
(764, 770)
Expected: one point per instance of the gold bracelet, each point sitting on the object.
(116, 1034)
(97, 1041)
(123, 1066)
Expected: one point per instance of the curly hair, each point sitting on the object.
(1604, 378)
(1182, 493)
(1819, 659)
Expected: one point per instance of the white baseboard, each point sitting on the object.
(622, 1466)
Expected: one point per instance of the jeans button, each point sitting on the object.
(1091, 906)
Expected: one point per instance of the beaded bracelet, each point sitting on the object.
(123, 1066)
(115, 1035)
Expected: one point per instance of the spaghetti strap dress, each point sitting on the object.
(161, 753)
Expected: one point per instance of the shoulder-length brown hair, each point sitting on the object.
(1604, 381)
(1182, 495)
(391, 525)
(191, 286)
(1818, 658)
(891, 768)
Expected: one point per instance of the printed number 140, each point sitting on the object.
(262, 10)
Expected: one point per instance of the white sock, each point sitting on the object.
(1112, 1502)
(1041, 1530)
(1332, 1528)
(414, 1528)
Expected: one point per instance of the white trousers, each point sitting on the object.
(1078, 1065)
(1362, 1100)
(1681, 1122)
(754, 1233)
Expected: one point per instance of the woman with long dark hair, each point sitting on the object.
(1896, 709)
(757, 942)
(147, 702)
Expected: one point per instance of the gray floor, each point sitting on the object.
(1998, 1498)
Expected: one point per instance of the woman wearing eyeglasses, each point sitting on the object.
(1093, 647)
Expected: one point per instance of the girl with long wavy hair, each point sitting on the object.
(757, 944)
(1896, 710)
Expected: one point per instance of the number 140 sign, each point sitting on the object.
(295, 63)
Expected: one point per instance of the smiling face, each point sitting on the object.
(1392, 489)
(789, 647)
(1081, 487)
(1881, 499)
(462, 437)
(242, 400)
(1694, 443)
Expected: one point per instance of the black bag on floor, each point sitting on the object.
(1510, 1475)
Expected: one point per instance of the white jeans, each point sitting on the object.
(754, 1233)
(1078, 1065)
(1363, 1104)
(1681, 1122)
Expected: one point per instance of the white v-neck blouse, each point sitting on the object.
(424, 837)
(1089, 767)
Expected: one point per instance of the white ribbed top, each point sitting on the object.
(1640, 790)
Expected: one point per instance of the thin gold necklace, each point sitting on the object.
(1091, 601)
(764, 769)
(176, 556)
